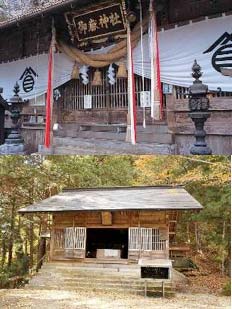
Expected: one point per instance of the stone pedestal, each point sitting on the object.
(14, 144)
(199, 111)
(200, 147)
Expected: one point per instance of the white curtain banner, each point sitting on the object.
(208, 41)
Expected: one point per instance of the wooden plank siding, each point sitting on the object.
(158, 220)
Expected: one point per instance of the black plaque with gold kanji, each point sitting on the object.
(96, 23)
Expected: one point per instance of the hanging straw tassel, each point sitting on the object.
(75, 71)
(122, 72)
(97, 78)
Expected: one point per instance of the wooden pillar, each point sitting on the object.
(108, 107)
(171, 118)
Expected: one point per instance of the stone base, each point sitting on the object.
(12, 149)
(45, 151)
(128, 134)
(200, 150)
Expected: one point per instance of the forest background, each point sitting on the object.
(25, 180)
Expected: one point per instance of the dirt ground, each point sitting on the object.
(41, 299)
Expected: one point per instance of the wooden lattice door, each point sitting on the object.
(75, 242)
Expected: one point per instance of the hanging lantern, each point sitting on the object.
(75, 71)
(97, 78)
(122, 72)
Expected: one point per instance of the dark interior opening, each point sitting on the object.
(107, 239)
(155, 272)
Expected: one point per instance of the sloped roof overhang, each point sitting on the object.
(116, 199)
(51, 8)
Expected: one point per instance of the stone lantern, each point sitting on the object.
(199, 111)
(14, 143)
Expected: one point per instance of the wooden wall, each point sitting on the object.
(101, 116)
(181, 10)
(32, 136)
(120, 219)
(25, 40)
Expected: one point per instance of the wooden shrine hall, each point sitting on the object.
(91, 71)
(133, 225)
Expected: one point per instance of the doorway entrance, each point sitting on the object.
(111, 239)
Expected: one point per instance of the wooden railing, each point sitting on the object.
(182, 93)
(105, 96)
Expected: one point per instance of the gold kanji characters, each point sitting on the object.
(93, 25)
(104, 21)
(82, 27)
(114, 19)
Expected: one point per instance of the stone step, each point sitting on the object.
(82, 146)
(70, 130)
(156, 129)
(106, 268)
(110, 280)
(117, 128)
(97, 278)
(121, 128)
(92, 265)
(147, 137)
(94, 283)
(93, 276)
(121, 290)
(101, 270)
(86, 276)
(160, 138)
(97, 271)
(157, 133)
(102, 135)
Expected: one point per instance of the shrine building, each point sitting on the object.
(78, 79)
(122, 225)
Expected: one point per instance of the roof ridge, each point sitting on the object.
(122, 188)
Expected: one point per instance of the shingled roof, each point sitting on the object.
(119, 198)
(37, 11)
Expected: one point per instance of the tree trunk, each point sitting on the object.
(25, 246)
(31, 243)
(197, 237)
(188, 233)
(3, 252)
(223, 251)
(11, 240)
(41, 252)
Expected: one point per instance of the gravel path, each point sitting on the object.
(49, 299)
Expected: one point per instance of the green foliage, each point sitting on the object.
(226, 291)
(4, 280)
